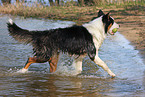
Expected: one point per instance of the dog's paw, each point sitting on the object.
(113, 75)
(23, 70)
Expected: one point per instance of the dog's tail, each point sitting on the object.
(19, 34)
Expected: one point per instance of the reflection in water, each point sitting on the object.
(50, 85)
(93, 81)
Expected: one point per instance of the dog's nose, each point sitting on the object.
(118, 26)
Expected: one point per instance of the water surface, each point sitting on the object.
(116, 51)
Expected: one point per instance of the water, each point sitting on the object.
(116, 51)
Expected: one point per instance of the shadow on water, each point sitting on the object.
(121, 57)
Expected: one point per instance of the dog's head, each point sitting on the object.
(108, 22)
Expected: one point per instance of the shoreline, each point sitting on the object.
(134, 31)
(131, 19)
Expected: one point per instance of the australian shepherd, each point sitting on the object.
(75, 40)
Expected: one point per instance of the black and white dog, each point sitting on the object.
(75, 40)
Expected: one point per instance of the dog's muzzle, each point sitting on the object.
(115, 25)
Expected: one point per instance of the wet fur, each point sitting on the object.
(74, 40)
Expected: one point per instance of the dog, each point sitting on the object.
(75, 40)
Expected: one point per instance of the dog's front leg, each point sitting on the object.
(99, 62)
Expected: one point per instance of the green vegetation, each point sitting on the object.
(69, 12)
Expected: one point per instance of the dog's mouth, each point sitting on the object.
(111, 33)
(113, 29)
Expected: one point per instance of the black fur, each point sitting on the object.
(73, 40)
(107, 20)
(19, 34)
(100, 13)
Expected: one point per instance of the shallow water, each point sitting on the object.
(121, 57)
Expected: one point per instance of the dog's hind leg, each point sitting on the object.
(53, 62)
(32, 60)
(77, 63)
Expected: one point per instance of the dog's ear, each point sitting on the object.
(106, 20)
(106, 17)
(100, 13)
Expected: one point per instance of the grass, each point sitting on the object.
(77, 14)
(56, 12)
